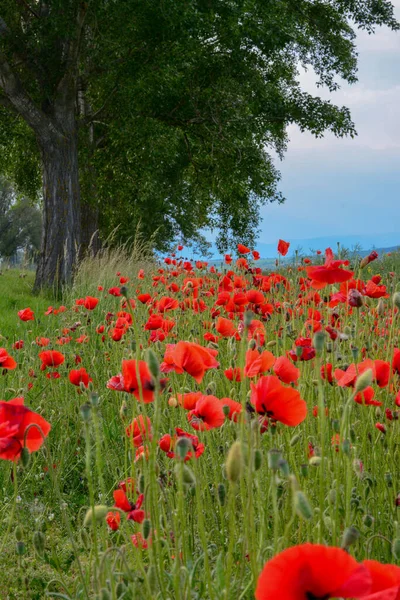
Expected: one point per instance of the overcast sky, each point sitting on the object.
(345, 186)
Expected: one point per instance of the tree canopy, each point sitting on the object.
(178, 104)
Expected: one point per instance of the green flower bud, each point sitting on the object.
(146, 528)
(319, 341)
(123, 291)
(188, 477)
(284, 467)
(94, 399)
(98, 514)
(368, 520)
(315, 461)
(221, 494)
(183, 446)
(364, 381)
(154, 365)
(18, 533)
(39, 540)
(25, 457)
(257, 459)
(226, 410)
(141, 483)
(350, 536)
(304, 470)
(20, 548)
(234, 462)
(302, 506)
(247, 319)
(86, 412)
(274, 457)
(295, 439)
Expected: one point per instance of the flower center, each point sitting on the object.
(311, 596)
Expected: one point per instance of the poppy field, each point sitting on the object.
(185, 430)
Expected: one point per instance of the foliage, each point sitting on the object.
(181, 104)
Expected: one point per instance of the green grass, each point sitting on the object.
(211, 536)
(15, 294)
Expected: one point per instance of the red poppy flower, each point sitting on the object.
(225, 327)
(385, 581)
(257, 363)
(139, 430)
(168, 443)
(133, 510)
(278, 402)
(6, 361)
(15, 418)
(42, 341)
(233, 374)
(312, 572)
(138, 380)
(285, 370)
(78, 376)
(190, 358)
(18, 345)
(329, 272)
(367, 397)
(26, 314)
(283, 247)
(396, 361)
(51, 358)
(256, 255)
(207, 414)
(113, 519)
(243, 249)
(90, 302)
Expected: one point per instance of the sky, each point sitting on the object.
(344, 187)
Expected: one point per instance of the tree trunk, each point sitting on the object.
(61, 234)
(90, 240)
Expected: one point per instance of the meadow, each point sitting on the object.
(168, 428)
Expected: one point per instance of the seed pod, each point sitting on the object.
(188, 477)
(94, 399)
(104, 594)
(221, 494)
(257, 459)
(18, 533)
(146, 528)
(20, 548)
(346, 447)
(234, 462)
(302, 506)
(295, 439)
(319, 341)
(123, 290)
(350, 536)
(368, 520)
(154, 365)
(39, 540)
(247, 319)
(284, 467)
(98, 514)
(25, 457)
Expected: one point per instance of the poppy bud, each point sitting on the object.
(257, 459)
(304, 470)
(173, 402)
(302, 506)
(346, 447)
(120, 590)
(221, 494)
(368, 520)
(133, 345)
(355, 351)
(295, 439)
(141, 483)
(20, 548)
(226, 410)
(94, 399)
(183, 446)
(97, 514)
(146, 528)
(396, 548)
(271, 344)
(104, 594)
(154, 365)
(86, 410)
(284, 467)
(396, 300)
(18, 533)
(188, 477)
(380, 309)
(234, 462)
(274, 457)
(39, 542)
(388, 479)
(319, 341)
(247, 319)
(25, 457)
(252, 345)
(123, 411)
(315, 461)
(336, 425)
(211, 388)
(332, 496)
(123, 291)
(363, 381)
(350, 536)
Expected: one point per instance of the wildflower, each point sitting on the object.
(139, 430)
(278, 402)
(51, 358)
(207, 414)
(6, 361)
(189, 357)
(15, 418)
(312, 572)
(26, 314)
(78, 376)
(283, 247)
(329, 272)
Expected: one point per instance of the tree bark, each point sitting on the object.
(61, 211)
(90, 240)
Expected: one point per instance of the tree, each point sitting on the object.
(209, 85)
